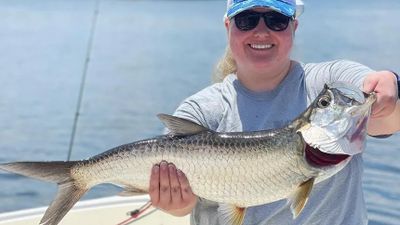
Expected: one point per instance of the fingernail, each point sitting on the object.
(156, 168)
(163, 166)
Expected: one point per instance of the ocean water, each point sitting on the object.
(145, 57)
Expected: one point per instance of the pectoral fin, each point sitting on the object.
(231, 214)
(299, 198)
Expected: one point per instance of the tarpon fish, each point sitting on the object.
(237, 170)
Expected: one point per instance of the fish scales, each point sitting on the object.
(217, 165)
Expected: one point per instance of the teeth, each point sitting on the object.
(257, 46)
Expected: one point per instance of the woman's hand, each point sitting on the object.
(385, 114)
(385, 85)
(170, 190)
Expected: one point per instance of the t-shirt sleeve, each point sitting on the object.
(349, 71)
(204, 108)
(319, 74)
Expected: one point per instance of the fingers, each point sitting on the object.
(382, 107)
(384, 84)
(165, 189)
(165, 192)
(170, 189)
(370, 84)
(154, 187)
(186, 190)
(174, 184)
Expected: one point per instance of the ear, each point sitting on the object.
(296, 24)
(227, 24)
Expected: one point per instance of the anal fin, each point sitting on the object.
(231, 214)
(299, 198)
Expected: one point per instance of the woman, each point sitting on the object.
(263, 88)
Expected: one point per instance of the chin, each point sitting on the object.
(263, 65)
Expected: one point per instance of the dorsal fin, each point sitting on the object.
(180, 126)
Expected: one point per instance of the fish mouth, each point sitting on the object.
(360, 115)
(317, 158)
(365, 107)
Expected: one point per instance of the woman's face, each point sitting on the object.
(260, 49)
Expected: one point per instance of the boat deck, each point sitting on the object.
(103, 211)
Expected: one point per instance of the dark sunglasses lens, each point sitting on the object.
(276, 21)
(246, 20)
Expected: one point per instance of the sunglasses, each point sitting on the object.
(248, 20)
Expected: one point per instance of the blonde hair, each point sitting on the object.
(225, 66)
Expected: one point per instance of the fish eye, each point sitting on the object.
(324, 102)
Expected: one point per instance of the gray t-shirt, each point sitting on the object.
(230, 107)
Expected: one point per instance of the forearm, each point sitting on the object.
(385, 125)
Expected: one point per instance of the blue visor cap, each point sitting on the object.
(286, 7)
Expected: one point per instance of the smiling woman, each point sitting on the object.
(262, 80)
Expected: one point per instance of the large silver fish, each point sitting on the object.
(237, 170)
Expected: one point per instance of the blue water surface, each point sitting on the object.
(141, 58)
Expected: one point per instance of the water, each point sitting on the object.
(146, 57)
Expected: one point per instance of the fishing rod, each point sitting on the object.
(83, 79)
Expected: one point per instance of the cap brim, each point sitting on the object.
(278, 6)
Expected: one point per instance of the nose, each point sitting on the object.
(261, 29)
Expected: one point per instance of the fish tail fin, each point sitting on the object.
(56, 172)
